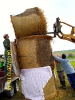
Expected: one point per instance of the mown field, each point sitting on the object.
(65, 51)
(62, 94)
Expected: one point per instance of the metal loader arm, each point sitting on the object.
(57, 31)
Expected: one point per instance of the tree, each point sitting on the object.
(70, 55)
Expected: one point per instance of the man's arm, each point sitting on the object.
(58, 59)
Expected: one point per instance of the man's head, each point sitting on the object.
(63, 56)
(5, 36)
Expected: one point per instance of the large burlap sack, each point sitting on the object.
(30, 22)
(35, 51)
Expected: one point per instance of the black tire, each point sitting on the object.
(16, 86)
(10, 93)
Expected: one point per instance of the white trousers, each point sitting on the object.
(34, 80)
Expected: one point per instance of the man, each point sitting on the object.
(6, 44)
(60, 72)
(70, 72)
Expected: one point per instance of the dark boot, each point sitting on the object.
(63, 84)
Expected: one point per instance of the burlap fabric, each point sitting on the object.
(35, 51)
(30, 22)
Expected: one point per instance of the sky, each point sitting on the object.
(64, 9)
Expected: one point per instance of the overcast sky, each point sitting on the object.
(52, 9)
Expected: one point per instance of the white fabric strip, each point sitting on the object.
(34, 80)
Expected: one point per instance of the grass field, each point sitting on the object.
(65, 51)
(73, 64)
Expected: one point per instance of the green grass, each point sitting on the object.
(65, 51)
(73, 64)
